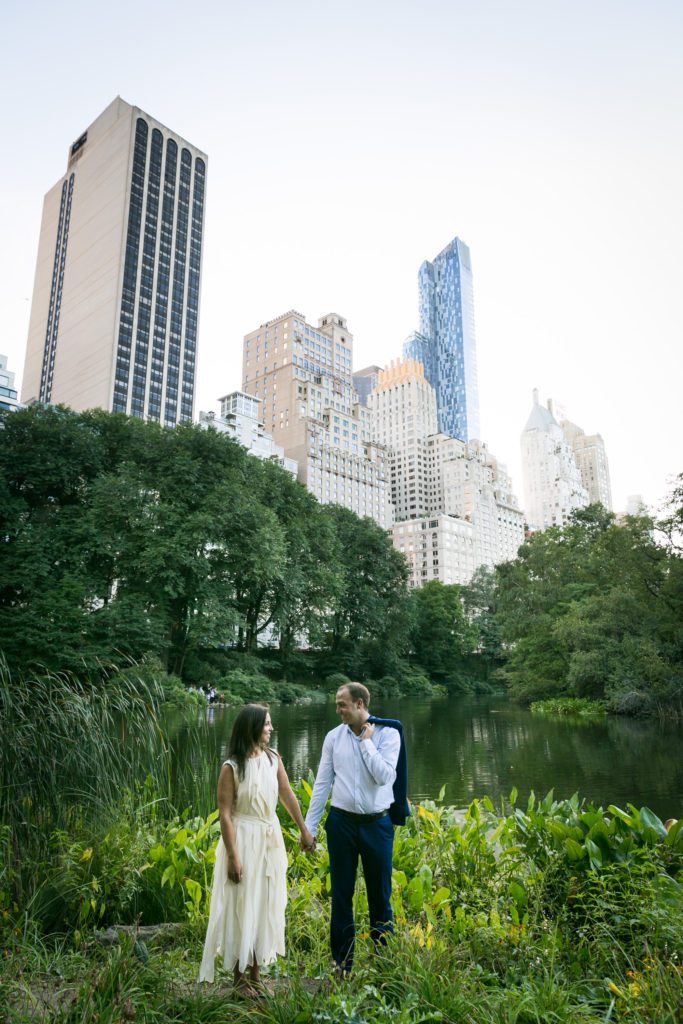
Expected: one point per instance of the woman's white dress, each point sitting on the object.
(247, 919)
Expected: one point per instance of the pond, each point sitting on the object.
(475, 746)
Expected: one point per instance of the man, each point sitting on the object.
(358, 764)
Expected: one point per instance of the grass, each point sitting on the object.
(580, 707)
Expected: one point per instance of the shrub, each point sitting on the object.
(245, 687)
(336, 680)
(148, 674)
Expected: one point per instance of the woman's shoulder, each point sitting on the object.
(230, 763)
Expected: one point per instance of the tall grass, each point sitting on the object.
(69, 750)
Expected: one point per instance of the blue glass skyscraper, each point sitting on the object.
(446, 343)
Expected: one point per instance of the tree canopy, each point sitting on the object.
(120, 539)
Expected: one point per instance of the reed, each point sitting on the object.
(69, 749)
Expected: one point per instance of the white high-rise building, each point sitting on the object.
(9, 400)
(553, 488)
(115, 308)
(473, 485)
(303, 376)
(241, 419)
(591, 458)
(454, 505)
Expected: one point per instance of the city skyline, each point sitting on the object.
(328, 189)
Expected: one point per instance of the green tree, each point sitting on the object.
(441, 635)
(370, 599)
(480, 603)
(593, 609)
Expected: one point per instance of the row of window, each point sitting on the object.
(52, 330)
(176, 266)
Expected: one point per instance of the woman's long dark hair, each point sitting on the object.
(246, 734)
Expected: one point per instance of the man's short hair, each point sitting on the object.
(357, 692)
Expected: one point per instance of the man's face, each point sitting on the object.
(351, 712)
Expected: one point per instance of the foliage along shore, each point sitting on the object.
(546, 911)
(555, 911)
(123, 542)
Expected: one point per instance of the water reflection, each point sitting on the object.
(474, 746)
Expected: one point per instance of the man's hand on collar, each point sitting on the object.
(367, 732)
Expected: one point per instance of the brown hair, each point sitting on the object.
(246, 733)
(357, 692)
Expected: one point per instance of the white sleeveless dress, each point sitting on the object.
(247, 919)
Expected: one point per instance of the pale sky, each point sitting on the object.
(349, 142)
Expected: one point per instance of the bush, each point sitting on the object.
(409, 681)
(241, 687)
(336, 680)
(630, 702)
(581, 706)
(149, 674)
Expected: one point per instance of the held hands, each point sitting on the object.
(234, 869)
(307, 841)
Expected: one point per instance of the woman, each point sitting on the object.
(247, 915)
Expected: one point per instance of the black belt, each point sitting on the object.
(362, 819)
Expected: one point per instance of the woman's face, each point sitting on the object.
(267, 729)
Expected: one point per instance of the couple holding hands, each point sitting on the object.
(363, 763)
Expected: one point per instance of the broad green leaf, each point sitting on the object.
(575, 851)
(415, 894)
(650, 820)
(399, 878)
(622, 815)
(441, 895)
(675, 834)
(518, 893)
(169, 876)
(594, 854)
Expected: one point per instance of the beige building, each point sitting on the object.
(403, 407)
(591, 458)
(302, 375)
(453, 500)
(440, 547)
(115, 306)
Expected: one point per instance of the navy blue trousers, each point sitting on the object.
(373, 842)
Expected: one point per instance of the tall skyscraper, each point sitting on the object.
(303, 376)
(446, 343)
(115, 307)
(552, 480)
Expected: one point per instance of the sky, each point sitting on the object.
(349, 142)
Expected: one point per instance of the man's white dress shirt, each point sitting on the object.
(360, 773)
